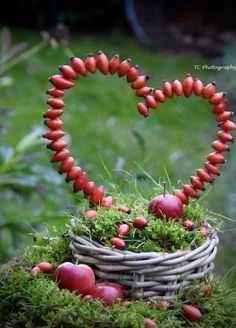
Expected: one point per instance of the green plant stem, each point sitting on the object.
(24, 56)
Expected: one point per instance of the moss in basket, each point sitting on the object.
(160, 235)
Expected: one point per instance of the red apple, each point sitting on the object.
(166, 206)
(107, 292)
(74, 277)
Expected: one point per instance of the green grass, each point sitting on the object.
(104, 126)
(28, 301)
(160, 235)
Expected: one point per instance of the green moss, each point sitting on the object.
(160, 235)
(28, 301)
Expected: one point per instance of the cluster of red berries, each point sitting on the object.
(152, 97)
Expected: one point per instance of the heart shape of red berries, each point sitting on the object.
(153, 97)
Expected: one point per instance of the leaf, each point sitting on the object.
(30, 140)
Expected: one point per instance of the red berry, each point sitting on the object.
(198, 87)
(57, 145)
(191, 312)
(97, 196)
(79, 66)
(107, 202)
(124, 209)
(177, 87)
(53, 113)
(132, 74)
(140, 222)
(90, 214)
(188, 225)
(117, 242)
(73, 173)
(35, 271)
(102, 63)
(143, 109)
(60, 82)
(140, 82)
(123, 229)
(159, 96)
(114, 64)
(181, 195)
(55, 92)
(204, 231)
(45, 266)
(54, 124)
(68, 72)
(60, 155)
(167, 89)
(143, 91)
(89, 188)
(53, 134)
(66, 165)
(80, 182)
(90, 63)
(209, 90)
(188, 85)
(124, 67)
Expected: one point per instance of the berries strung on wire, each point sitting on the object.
(90, 63)
(217, 98)
(89, 188)
(182, 196)
(60, 82)
(143, 109)
(102, 63)
(55, 92)
(53, 113)
(54, 124)
(167, 89)
(198, 87)
(73, 174)
(219, 146)
(209, 90)
(188, 85)
(177, 87)
(57, 145)
(60, 155)
(205, 176)
(56, 103)
(216, 158)
(68, 72)
(78, 65)
(114, 64)
(132, 73)
(80, 182)
(151, 102)
(140, 82)
(159, 96)
(144, 91)
(66, 165)
(124, 67)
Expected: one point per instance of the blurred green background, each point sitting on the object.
(101, 120)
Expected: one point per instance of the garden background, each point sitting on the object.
(111, 141)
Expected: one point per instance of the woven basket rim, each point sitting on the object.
(114, 254)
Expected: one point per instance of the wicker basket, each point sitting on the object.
(146, 275)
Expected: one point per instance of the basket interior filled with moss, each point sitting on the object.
(148, 256)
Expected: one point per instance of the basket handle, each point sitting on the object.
(152, 98)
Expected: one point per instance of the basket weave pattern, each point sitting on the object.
(146, 275)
